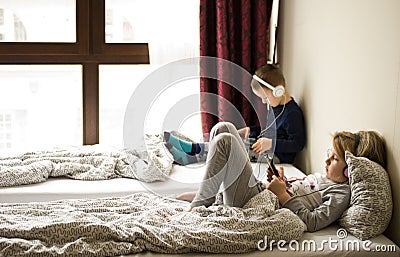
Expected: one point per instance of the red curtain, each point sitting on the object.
(237, 31)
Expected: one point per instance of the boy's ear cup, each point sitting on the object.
(278, 91)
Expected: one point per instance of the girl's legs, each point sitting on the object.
(227, 165)
(185, 152)
(183, 145)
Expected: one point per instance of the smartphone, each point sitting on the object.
(272, 165)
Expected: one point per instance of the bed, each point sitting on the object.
(116, 193)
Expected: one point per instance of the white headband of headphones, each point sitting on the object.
(277, 91)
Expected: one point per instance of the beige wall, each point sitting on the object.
(341, 59)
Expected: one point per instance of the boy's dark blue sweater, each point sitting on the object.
(290, 132)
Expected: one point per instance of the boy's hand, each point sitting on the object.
(263, 144)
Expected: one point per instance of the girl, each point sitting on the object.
(318, 200)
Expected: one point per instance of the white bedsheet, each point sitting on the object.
(182, 179)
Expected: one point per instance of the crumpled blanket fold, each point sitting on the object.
(89, 162)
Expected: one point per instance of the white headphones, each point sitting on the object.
(277, 91)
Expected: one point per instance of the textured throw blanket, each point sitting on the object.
(88, 163)
(132, 224)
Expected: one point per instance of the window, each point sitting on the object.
(96, 64)
(69, 39)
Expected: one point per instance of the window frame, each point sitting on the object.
(90, 50)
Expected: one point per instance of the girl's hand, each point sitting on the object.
(278, 187)
(270, 173)
(263, 144)
(281, 171)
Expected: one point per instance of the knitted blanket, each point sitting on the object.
(136, 223)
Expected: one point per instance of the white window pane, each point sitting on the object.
(38, 21)
(114, 98)
(171, 28)
(40, 106)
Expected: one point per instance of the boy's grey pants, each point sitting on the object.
(228, 165)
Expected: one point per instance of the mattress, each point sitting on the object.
(181, 179)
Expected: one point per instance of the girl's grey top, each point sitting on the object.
(320, 204)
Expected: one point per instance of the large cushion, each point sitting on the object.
(371, 203)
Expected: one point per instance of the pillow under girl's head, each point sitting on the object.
(371, 205)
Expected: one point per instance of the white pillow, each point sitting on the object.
(371, 203)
